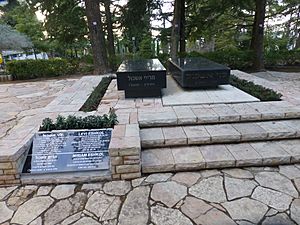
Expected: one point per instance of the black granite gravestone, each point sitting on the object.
(141, 78)
(67, 151)
(198, 72)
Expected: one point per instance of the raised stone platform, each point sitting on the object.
(175, 95)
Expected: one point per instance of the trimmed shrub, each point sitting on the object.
(31, 69)
(258, 91)
(73, 122)
(94, 99)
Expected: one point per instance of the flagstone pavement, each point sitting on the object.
(253, 195)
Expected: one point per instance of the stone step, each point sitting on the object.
(267, 153)
(217, 113)
(219, 133)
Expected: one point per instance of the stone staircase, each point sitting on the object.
(219, 136)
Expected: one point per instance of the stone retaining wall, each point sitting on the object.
(125, 152)
(11, 167)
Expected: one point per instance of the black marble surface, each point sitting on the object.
(198, 64)
(141, 65)
(67, 151)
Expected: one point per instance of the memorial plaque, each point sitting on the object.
(198, 72)
(141, 78)
(66, 151)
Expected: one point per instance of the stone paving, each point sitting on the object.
(24, 106)
(252, 195)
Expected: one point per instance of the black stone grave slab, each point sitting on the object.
(141, 78)
(198, 72)
(69, 151)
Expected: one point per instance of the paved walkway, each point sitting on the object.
(254, 195)
(20, 99)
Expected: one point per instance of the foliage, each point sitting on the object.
(241, 59)
(146, 51)
(94, 99)
(73, 122)
(31, 69)
(65, 25)
(233, 58)
(26, 22)
(11, 39)
(258, 91)
(283, 57)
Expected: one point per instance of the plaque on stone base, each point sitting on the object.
(68, 151)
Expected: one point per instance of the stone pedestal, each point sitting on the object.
(125, 152)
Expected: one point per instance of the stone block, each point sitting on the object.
(7, 177)
(157, 160)
(116, 160)
(223, 133)
(157, 118)
(174, 136)
(217, 156)
(131, 157)
(267, 110)
(197, 134)
(132, 130)
(116, 176)
(205, 115)
(245, 155)
(152, 137)
(226, 114)
(293, 148)
(131, 161)
(277, 129)
(188, 158)
(124, 146)
(272, 153)
(128, 168)
(113, 169)
(246, 112)
(119, 131)
(6, 165)
(185, 115)
(130, 176)
(294, 124)
(10, 172)
(250, 131)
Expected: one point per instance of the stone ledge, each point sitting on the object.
(219, 133)
(268, 153)
(218, 113)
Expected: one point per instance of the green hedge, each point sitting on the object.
(73, 122)
(258, 91)
(94, 99)
(31, 69)
(242, 59)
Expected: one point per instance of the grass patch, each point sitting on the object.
(73, 122)
(258, 91)
(92, 103)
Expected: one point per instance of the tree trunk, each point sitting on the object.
(175, 30)
(110, 34)
(257, 41)
(97, 38)
(182, 27)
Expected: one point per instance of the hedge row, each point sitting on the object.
(31, 69)
(95, 98)
(74, 122)
(258, 91)
(242, 59)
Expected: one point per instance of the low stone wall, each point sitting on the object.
(11, 167)
(125, 152)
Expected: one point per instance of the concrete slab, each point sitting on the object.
(174, 95)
